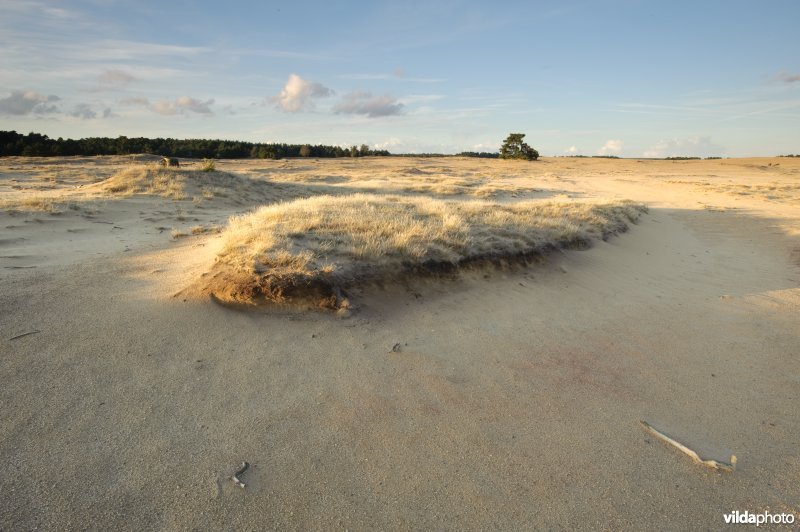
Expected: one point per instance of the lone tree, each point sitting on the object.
(514, 148)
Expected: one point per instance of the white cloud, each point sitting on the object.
(298, 94)
(690, 147)
(571, 150)
(364, 103)
(611, 147)
(179, 106)
(484, 146)
(388, 144)
(23, 103)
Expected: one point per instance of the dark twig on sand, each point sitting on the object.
(235, 477)
(23, 334)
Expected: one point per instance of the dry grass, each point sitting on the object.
(407, 182)
(206, 229)
(149, 180)
(315, 247)
(768, 191)
(197, 185)
(32, 204)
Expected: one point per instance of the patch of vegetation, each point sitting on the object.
(318, 246)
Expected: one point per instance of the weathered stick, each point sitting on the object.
(722, 466)
(23, 334)
(235, 477)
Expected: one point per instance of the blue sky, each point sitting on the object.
(628, 78)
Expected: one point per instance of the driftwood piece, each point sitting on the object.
(713, 464)
(235, 478)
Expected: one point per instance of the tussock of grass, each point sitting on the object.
(198, 185)
(315, 247)
(206, 229)
(147, 180)
(208, 165)
(31, 204)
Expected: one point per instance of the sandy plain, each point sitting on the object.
(514, 399)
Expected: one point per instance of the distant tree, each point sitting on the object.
(514, 148)
(353, 151)
(364, 151)
(305, 150)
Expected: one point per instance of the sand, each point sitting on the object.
(513, 400)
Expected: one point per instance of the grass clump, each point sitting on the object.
(208, 165)
(35, 204)
(318, 246)
(165, 182)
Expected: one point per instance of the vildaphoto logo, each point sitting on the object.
(764, 518)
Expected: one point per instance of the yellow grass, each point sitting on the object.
(319, 245)
(35, 203)
(149, 180)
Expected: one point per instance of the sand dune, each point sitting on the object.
(504, 398)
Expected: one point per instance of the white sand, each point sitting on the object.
(513, 402)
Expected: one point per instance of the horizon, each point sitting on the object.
(630, 79)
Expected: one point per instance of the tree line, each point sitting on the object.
(38, 145)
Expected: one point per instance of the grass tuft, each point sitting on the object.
(208, 165)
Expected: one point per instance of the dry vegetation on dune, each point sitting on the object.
(199, 185)
(35, 203)
(383, 178)
(314, 247)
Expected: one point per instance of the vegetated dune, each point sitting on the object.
(315, 248)
(197, 185)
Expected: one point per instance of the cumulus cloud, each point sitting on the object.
(23, 103)
(787, 78)
(364, 103)
(298, 94)
(571, 150)
(113, 79)
(182, 105)
(84, 111)
(690, 147)
(389, 143)
(611, 147)
(179, 106)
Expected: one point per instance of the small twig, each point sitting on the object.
(722, 466)
(23, 334)
(235, 477)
